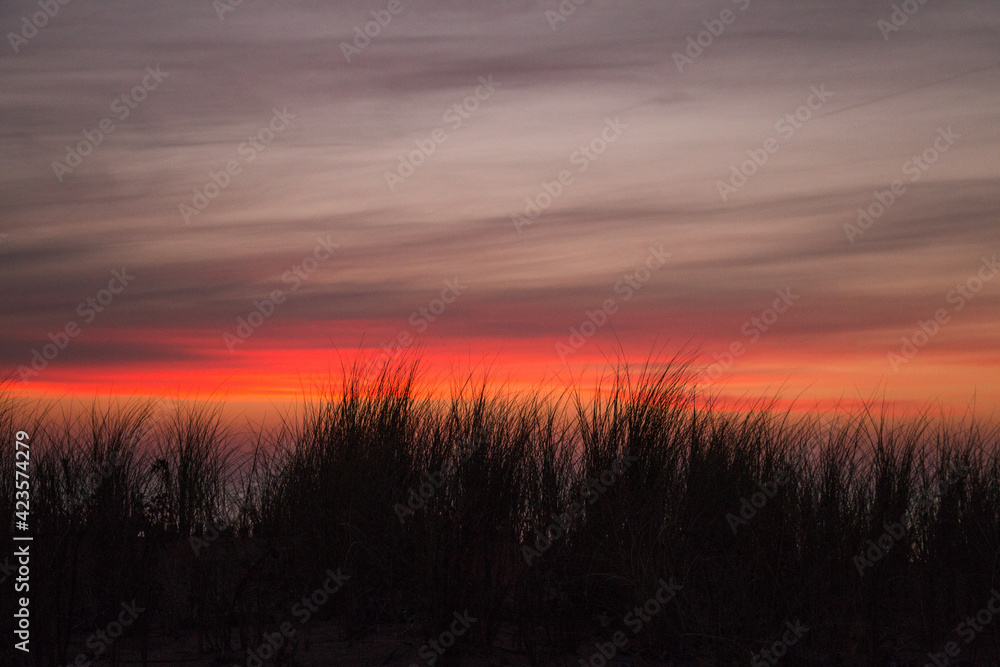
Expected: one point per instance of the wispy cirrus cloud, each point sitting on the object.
(325, 175)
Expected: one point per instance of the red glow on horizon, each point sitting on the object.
(787, 380)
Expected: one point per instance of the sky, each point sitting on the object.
(228, 198)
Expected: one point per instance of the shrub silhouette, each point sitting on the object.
(610, 494)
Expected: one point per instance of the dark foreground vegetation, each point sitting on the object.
(561, 525)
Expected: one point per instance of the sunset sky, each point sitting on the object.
(518, 173)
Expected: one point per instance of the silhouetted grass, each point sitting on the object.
(548, 518)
